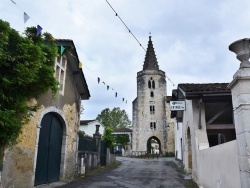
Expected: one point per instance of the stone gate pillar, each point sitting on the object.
(240, 88)
(97, 137)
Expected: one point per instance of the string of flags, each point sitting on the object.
(39, 29)
(116, 94)
(116, 14)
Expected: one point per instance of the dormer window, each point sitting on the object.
(60, 71)
(151, 83)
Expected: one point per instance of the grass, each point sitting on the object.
(99, 170)
(189, 183)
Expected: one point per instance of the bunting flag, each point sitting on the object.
(38, 30)
(80, 64)
(126, 101)
(62, 50)
(25, 17)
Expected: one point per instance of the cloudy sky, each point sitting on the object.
(190, 38)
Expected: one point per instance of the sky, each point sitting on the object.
(190, 39)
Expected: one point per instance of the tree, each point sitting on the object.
(26, 71)
(109, 137)
(122, 139)
(114, 119)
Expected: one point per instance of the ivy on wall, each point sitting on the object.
(26, 71)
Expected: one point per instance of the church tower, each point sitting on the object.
(149, 114)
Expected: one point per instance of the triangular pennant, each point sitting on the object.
(62, 50)
(126, 101)
(123, 99)
(38, 30)
(25, 17)
(80, 64)
(98, 79)
(115, 94)
(103, 83)
(107, 87)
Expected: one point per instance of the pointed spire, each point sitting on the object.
(150, 62)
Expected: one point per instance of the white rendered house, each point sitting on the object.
(89, 127)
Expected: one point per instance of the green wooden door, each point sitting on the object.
(49, 150)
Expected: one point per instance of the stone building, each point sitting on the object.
(46, 150)
(149, 107)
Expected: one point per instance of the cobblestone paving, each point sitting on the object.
(135, 173)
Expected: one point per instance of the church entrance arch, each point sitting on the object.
(154, 145)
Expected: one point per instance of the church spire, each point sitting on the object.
(150, 62)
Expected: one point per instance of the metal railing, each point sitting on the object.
(87, 144)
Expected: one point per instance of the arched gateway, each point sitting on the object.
(149, 114)
(154, 145)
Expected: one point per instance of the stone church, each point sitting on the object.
(149, 107)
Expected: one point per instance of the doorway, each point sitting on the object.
(49, 150)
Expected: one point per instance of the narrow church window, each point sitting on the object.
(153, 125)
(153, 84)
(152, 109)
(149, 84)
(60, 71)
(151, 94)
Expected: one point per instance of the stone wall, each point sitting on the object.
(20, 159)
(141, 110)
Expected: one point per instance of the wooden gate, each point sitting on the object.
(49, 150)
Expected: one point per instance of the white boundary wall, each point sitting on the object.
(218, 166)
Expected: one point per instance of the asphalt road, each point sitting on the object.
(136, 173)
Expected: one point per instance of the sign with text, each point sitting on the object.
(177, 105)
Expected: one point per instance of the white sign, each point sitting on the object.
(177, 105)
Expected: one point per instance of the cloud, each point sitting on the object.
(190, 38)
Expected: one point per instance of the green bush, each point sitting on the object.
(169, 154)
